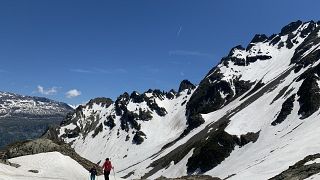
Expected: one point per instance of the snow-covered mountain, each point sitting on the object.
(15, 105)
(253, 116)
(24, 117)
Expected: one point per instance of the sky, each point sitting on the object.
(75, 50)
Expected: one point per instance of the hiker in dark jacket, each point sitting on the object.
(93, 173)
(107, 168)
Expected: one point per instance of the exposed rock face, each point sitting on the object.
(110, 121)
(309, 96)
(138, 137)
(300, 170)
(290, 27)
(211, 152)
(185, 84)
(105, 102)
(212, 94)
(257, 38)
(310, 43)
(285, 110)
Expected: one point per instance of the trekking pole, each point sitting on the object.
(114, 174)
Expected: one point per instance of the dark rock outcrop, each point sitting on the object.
(138, 137)
(311, 40)
(207, 98)
(299, 170)
(274, 39)
(137, 98)
(258, 85)
(252, 59)
(215, 148)
(185, 84)
(105, 102)
(121, 103)
(290, 28)
(309, 96)
(211, 152)
(247, 138)
(110, 121)
(97, 130)
(33, 171)
(171, 94)
(128, 119)
(257, 38)
(286, 109)
(155, 107)
(144, 115)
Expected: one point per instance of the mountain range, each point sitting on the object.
(255, 115)
(26, 117)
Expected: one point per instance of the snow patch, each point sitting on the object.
(314, 161)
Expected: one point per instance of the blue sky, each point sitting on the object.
(104, 48)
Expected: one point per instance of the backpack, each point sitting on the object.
(107, 166)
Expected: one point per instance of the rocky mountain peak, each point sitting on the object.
(186, 84)
(258, 38)
(103, 101)
(290, 27)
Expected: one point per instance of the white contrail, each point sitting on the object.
(179, 31)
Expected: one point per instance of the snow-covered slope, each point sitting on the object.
(253, 115)
(24, 117)
(141, 123)
(50, 166)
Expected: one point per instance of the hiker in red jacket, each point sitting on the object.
(107, 168)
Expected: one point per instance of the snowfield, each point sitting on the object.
(51, 166)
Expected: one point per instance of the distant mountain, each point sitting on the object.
(254, 116)
(26, 117)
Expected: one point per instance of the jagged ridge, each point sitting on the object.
(269, 89)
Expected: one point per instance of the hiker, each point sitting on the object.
(93, 173)
(107, 168)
